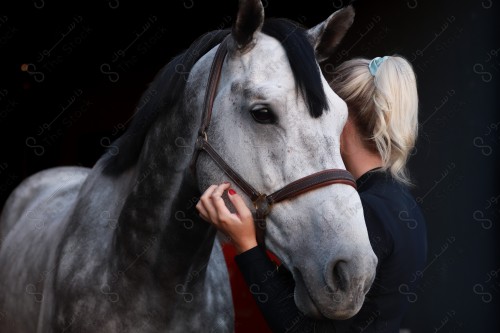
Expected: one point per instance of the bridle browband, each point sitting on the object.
(263, 203)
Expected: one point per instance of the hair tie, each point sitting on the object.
(375, 64)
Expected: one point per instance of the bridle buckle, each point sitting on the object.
(262, 206)
(200, 141)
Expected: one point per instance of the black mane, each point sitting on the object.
(171, 81)
(302, 60)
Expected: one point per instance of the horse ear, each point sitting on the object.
(249, 21)
(326, 36)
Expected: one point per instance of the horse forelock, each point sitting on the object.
(162, 95)
(301, 56)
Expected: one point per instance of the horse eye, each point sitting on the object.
(263, 116)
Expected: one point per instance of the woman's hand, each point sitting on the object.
(239, 226)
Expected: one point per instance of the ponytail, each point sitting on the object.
(382, 99)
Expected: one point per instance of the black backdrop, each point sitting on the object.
(65, 94)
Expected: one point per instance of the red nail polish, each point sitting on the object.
(231, 191)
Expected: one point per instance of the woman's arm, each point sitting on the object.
(271, 286)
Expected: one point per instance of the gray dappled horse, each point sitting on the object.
(120, 247)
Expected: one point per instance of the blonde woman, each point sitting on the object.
(381, 130)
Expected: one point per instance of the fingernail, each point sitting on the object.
(226, 183)
(231, 191)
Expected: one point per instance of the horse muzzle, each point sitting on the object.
(339, 292)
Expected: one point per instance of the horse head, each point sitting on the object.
(275, 120)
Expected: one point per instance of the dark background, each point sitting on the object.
(64, 99)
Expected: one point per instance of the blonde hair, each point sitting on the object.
(384, 108)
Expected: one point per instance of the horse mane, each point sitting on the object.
(165, 91)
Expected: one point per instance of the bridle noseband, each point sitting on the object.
(263, 203)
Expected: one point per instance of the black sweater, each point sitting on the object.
(397, 232)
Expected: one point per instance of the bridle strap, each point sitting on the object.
(312, 182)
(263, 203)
(249, 190)
(213, 82)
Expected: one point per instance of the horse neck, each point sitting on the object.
(159, 230)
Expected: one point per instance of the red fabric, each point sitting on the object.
(248, 318)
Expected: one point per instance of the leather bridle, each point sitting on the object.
(263, 203)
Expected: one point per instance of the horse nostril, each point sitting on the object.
(337, 276)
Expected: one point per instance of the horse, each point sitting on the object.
(119, 247)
